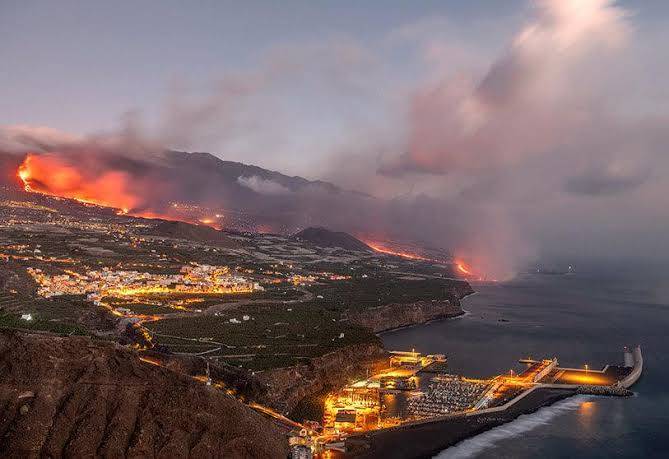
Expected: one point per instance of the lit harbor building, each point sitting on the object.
(360, 417)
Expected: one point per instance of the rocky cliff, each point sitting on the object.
(289, 386)
(391, 316)
(74, 397)
(397, 315)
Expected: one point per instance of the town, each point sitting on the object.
(193, 279)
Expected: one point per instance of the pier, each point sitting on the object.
(451, 408)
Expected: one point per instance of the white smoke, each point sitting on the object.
(263, 186)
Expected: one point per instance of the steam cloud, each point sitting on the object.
(262, 186)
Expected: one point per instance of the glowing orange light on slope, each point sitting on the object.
(51, 175)
(382, 249)
(24, 175)
(464, 269)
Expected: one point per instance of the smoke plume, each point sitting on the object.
(545, 149)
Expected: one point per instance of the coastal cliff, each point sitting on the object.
(391, 316)
(289, 386)
(397, 315)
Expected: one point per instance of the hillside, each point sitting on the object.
(73, 397)
(9, 165)
(324, 237)
(191, 232)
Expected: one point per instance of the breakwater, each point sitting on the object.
(426, 438)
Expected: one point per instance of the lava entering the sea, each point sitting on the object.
(460, 267)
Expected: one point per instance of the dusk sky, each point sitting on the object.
(79, 66)
(545, 120)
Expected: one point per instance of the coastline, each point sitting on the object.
(395, 316)
(428, 438)
(293, 386)
(460, 315)
(463, 313)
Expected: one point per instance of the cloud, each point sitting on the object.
(296, 101)
(263, 186)
(525, 104)
(22, 138)
(495, 154)
(610, 181)
(555, 123)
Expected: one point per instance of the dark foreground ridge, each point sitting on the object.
(74, 397)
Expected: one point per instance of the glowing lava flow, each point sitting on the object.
(381, 249)
(48, 174)
(460, 267)
(463, 268)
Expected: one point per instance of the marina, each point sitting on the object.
(369, 418)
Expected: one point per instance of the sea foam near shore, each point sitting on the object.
(524, 423)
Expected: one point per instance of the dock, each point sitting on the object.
(543, 383)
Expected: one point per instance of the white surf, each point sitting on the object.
(524, 423)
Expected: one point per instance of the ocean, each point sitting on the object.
(581, 318)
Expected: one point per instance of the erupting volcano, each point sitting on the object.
(50, 174)
(89, 180)
(191, 188)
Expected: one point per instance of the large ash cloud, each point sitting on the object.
(542, 92)
(548, 152)
(546, 147)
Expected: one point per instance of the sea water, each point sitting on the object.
(580, 319)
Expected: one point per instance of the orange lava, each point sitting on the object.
(377, 247)
(463, 268)
(48, 174)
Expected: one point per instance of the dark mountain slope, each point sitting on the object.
(324, 237)
(73, 397)
(191, 232)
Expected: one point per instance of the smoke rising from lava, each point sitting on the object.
(534, 151)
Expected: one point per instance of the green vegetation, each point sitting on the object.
(285, 324)
(139, 308)
(15, 321)
(271, 336)
(65, 314)
(361, 293)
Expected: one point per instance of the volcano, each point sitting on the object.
(324, 237)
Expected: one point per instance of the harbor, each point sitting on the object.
(407, 410)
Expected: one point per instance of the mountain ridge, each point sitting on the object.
(325, 237)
